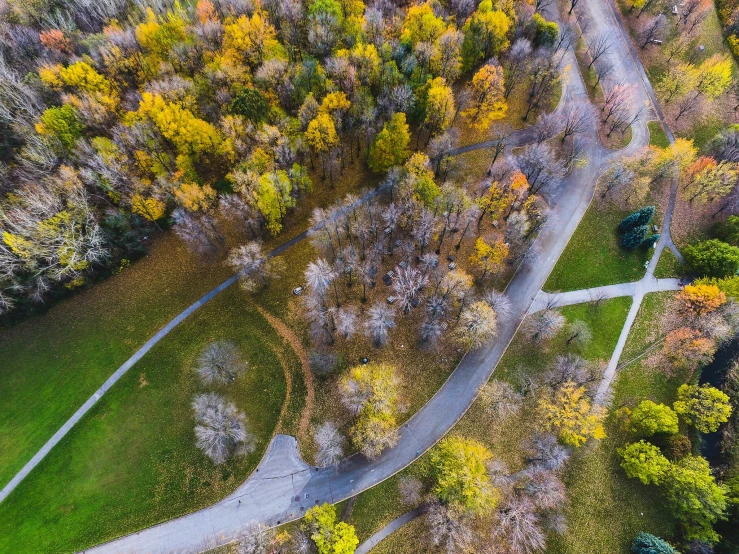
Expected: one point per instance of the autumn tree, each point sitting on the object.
(702, 406)
(568, 412)
(702, 298)
(371, 392)
(440, 106)
(488, 257)
(461, 480)
(485, 34)
(328, 535)
(477, 325)
(330, 443)
(487, 97)
(688, 348)
(321, 136)
(390, 147)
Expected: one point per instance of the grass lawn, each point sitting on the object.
(668, 265)
(657, 135)
(606, 508)
(132, 461)
(594, 255)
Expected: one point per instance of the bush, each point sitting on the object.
(712, 258)
(645, 543)
(674, 447)
(638, 218)
(635, 237)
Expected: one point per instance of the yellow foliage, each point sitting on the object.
(488, 103)
(253, 38)
(334, 101)
(568, 413)
(421, 25)
(194, 197)
(702, 298)
(489, 256)
(148, 208)
(321, 133)
(440, 107)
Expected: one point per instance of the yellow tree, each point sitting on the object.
(390, 148)
(496, 201)
(568, 412)
(367, 61)
(440, 106)
(485, 34)
(321, 136)
(487, 97)
(421, 25)
(702, 298)
(489, 257)
(714, 76)
(194, 197)
(711, 180)
(253, 39)
(149, 208)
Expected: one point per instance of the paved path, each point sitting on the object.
(265, 493)
(388, 530)
(128, 364)
(636, 288)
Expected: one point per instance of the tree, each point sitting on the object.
(546, 453)
(62, 124)
(440, 105)
(487, 97)
(460, 475)
(702, 406)
(544, 325)
(319, 275)
(702, 298)
(253, 266)
(653, 30)
(450, 528)
(220, 428)
(477, 325)
(381, 320)
(371, 392)
(688, 349)
(598, 47)
(485, 34)
(321, 135)
(635, 237)
(568, 413)
(421, 25)
(695, 498)
(649, 419)
(329, 536)
(489, 257)
(714, 76)
(520, 527)
(712, 258)
(390, 147)
(645, 543)
(250, 104)
(579, 333)
(411, 490)
(500, 399)
(644, 461)
(640, 217)
(407, 284)
(221, 363)
(330, 442)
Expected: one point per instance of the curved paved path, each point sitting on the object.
(388, 530)
(285, 486)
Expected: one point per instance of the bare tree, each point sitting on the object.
(411, 490)
(255, 539)
(346, 321)
(602, 70)
(616, 178)
(598, 47)
(540, 165)
(544, 488)
(220, 362)
(254, 267)
(544, 325)
(319, 275)
(570, 368)
(499, 302)
(198, 231)
(515, 64)
(501, 136)
(577, 118)
(381, 320)
(547, 125)
(330, 443)
(407, 283)
(654, 29)
(220, 429)
(546, 452)
(500, 398)
(449, 529)
(579, 333)
(519, 526)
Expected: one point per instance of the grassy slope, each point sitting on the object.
(132, 461)
(594, 255)
(379, 505)
(668, 265)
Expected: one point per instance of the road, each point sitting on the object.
(284, 486)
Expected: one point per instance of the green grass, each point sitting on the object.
(657, 135)
(132, 461)
(594, 256)
(606, 509)
(668, 265)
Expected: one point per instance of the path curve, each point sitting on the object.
(389, 529)
(148, 345)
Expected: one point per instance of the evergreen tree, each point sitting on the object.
(645, 543)
(640, 217)
(634, 237)
(650, 241)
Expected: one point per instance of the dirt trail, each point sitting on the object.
(286, 333)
